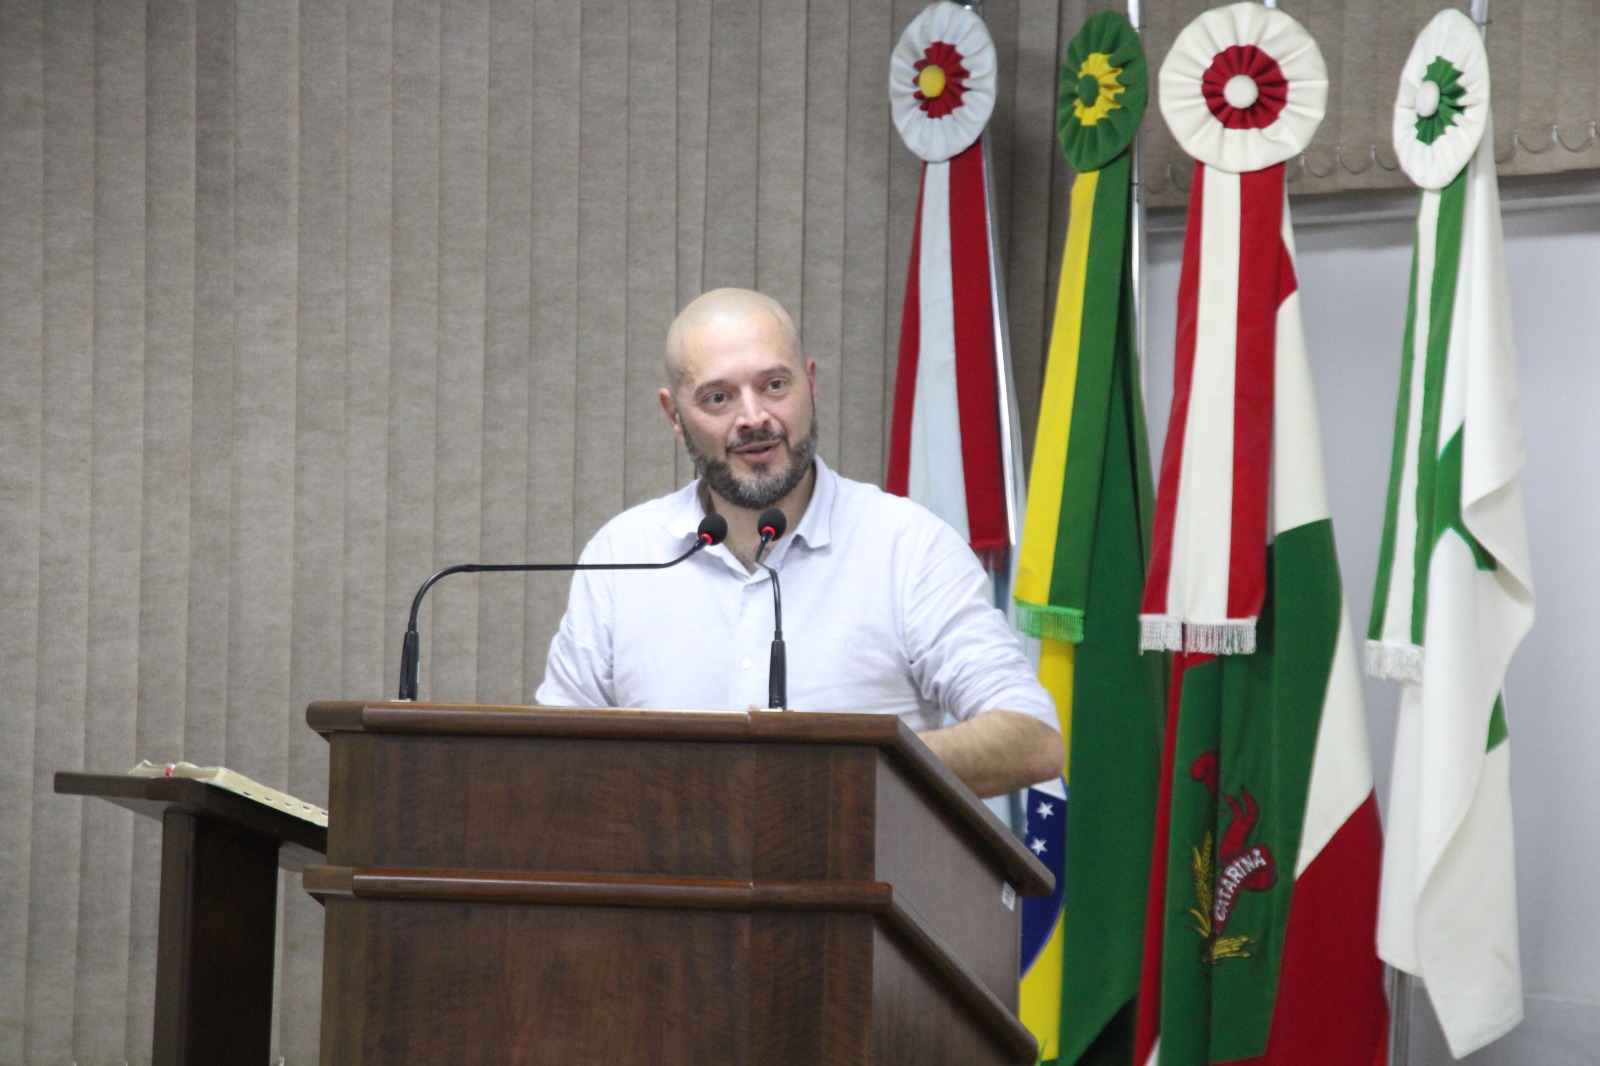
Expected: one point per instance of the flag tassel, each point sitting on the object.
(1393, 660)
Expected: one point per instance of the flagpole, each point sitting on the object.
(1010, 431)
(1140, 263)
(1003, 577)
(1007, 393)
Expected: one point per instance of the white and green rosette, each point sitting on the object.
(1243, 88)
(942, 81)
(1442, 107)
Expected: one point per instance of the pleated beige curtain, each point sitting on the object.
(301, 301)
(1545, 82)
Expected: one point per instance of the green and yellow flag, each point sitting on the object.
(1079, 579)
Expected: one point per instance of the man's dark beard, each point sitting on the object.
(766, 489)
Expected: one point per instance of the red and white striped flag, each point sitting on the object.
(1260, 940)
(948, 444)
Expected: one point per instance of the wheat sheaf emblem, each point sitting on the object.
(1242, 866)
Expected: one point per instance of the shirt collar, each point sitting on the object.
(684, 514)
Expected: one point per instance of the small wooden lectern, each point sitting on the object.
(541, 885)
(217, 934)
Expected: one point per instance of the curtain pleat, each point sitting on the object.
(733, 177)
(780, 127)
(648, 462)
(414, 313)
(166, 485)
(211, 433)
(600, 396)
(825, 72)
(1032, 157)
(302, 302)
(507, 379)
(867, 342)
(554, 428)
(320, 442)
(115, 505)
(22, 392)
(61, 698)
(462, 140)
(373, 619)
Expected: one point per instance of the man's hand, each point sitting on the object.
(999, 751)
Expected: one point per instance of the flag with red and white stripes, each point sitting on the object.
(944, 445)
(1260, 939)
(947, 442)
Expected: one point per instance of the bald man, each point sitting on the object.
(886, 609)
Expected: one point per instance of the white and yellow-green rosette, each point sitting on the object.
(1102, 93)
(942, 81)
(1442, 108)
(1103, 89)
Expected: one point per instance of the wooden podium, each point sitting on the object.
(542, 885)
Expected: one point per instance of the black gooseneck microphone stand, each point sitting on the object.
(713, 528)
(772, 524)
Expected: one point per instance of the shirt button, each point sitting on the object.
(745, 663)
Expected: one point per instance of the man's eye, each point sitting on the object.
(777, 385)
(715, 399)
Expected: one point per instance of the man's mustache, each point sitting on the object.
(757, 436)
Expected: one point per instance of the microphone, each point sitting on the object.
(772, 524)
(713, 529)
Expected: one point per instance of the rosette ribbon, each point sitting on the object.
(1260, 941)
(1084, 548)
(945, 447)
(1242, 91)
(1454, 593)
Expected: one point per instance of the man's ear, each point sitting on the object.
(811, 378)
(670, 406)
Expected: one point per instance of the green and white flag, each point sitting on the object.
(1454, 594)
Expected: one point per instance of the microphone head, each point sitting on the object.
(713, 529)
(772, 523)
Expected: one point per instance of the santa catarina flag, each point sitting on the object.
(945, 445)
(1261, 922)
(1084, 550)
(1454, 594)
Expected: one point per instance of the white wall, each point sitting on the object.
(1353, 282)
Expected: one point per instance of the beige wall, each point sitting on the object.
(299, 303)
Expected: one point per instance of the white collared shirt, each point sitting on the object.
(885, 609)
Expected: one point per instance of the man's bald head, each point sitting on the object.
(728, 307)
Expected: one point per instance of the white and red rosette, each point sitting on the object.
(1442, 107)
(942, 81)
(1244, 87)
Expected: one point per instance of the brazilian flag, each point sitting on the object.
(1080, 577)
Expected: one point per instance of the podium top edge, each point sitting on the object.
(886, 732)
(602, 722)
